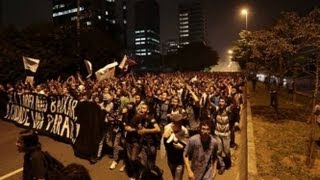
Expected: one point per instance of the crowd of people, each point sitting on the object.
(193, 116)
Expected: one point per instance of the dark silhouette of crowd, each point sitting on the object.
(192, 116)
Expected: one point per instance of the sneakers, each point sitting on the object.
(113, 165)
(93, 160)
(122, 168)
(221, 170)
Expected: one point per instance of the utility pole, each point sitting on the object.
(78, 34)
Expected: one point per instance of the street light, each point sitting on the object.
(245, 12)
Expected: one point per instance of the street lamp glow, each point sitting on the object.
(245, 12)
(230, 51)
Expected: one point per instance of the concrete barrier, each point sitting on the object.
(252, 172)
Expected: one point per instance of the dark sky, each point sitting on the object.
(25, 12)
(224, 19)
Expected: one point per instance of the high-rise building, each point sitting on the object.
(146, 29)
(91, 11)
(104, 14)
(192, 22)
(171, 46)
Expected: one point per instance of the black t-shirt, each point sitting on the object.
(136, 122)
(34, 165)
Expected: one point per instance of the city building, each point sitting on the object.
(192, 22)
(171, 46)
(147, 30)
(105, 14)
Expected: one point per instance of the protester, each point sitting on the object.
(201, 150)
(175, 138)
(223, 134)
(34, 165)
(75, 171)
(139, 109)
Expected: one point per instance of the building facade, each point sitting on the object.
(105, 14)
(147, 29)
(171, 46)
(192, 22)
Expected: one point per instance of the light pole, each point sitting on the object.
(230, 53)
(244, 12)
(78, 34)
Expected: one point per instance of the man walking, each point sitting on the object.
(201, 150)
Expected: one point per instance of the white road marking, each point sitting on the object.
(11, 174)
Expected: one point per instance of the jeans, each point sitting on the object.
(223, 148)
(176, 170)
(132, 162)
(148, 155)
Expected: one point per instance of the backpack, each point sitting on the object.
(54, 167)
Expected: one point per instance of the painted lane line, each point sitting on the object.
(11, 174)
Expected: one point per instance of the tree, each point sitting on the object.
(56, 48)
(194, 56)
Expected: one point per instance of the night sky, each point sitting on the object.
(224, 19)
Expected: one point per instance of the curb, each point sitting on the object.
(251, 150)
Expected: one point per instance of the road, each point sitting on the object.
(11, 160)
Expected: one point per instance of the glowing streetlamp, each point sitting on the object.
(244, 12)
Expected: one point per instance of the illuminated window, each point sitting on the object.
(184, 35)
(124, 7)
(184, 27)
(99, 17)
(139, 31)
(183, 14)
(184, 31)
(183, 19)
(69, 11)
(58, 6)
(107, 13)
(88, 23)
(124, 21)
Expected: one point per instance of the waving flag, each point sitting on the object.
(30, 64)
(126, 63)
(88, 67)
(106, 72)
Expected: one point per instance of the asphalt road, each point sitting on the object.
(11, 160)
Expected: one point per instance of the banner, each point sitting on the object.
(106, 72)
(126, 62)
(123, 62)
(30, 64)
(60, 117)
(29, 80)
(54, 115)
